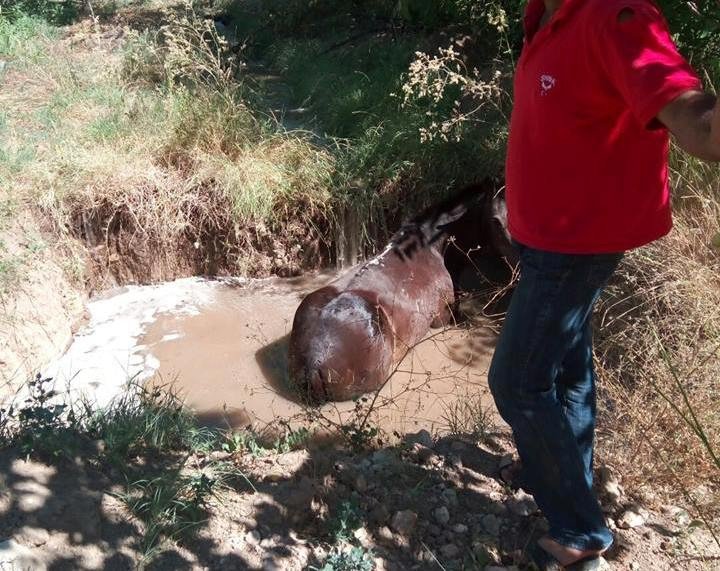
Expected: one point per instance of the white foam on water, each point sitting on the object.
(106, 353)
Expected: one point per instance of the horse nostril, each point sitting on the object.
(318, 385)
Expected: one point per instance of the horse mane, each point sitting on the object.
(430, 227)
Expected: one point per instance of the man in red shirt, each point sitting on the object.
(598, 88)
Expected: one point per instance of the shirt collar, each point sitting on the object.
(535, 10)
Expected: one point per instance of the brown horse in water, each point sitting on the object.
(347, 335)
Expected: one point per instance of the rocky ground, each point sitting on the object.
(422, 504)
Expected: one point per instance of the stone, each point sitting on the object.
(220, 456)
(460, 528)
(522, 504)
(630, 519)
(363, 536)
(457, 446)
(276, 474)
(361, 484)
(379, 514)
(16, 556)
(681, 516)
(455, 461)
(610, 488)
(385, 534)
(383, 457)
(491, 524)
(450, 550)
(442, 515)
(403, 522)
(253, 538)
(423, 454)
(449, 496)
(634, 566)
(422, 437)
(34, 536)
(32, 496)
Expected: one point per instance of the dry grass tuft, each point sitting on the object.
(658, 353)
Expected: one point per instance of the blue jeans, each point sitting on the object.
(543, 383)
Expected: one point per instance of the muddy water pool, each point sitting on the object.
(223, 345)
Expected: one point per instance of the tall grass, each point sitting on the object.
(658, 352)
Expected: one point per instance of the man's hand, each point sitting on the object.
(694, 120)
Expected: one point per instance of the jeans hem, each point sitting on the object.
(574, 542)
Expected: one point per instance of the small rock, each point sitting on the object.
(665, 545)
(630, 519)
(450, 496)
(442, 515)
(491, 524)
(34, 536)
(522, 504)
(403, 522)
(363, 536)
(681, 516)
(219, 456)
(450, 550)
(634, 566)
(385, 534)
(421, 437)
(457, 446)
(422, 454)
(609, 485)
(16, 556)
(276, 474)
(455, 461)
(253, 538)
(379, 514)
(383, 457)
(361, 483)
(460, 528)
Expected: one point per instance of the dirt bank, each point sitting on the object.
(41, 306)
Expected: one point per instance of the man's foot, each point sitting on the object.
(569, 557)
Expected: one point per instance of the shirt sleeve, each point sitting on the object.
(641, 59)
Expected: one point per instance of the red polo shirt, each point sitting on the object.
(586, 168)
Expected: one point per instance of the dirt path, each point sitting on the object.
(424, 504)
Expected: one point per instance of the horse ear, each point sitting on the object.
(449, 216)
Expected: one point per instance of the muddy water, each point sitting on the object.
(229, 361)
(223, 346)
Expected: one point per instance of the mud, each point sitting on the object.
(230, 362)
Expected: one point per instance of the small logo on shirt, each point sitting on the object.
(547, 82)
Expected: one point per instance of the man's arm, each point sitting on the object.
(694, 120)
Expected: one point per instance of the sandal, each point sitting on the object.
(544, 561)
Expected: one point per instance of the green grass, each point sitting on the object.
(25, 39)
